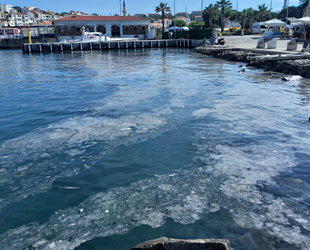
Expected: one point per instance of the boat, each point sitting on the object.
(86, 37)
(95, 37)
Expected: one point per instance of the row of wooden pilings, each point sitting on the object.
(59, 47)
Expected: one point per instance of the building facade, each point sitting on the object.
(114, 26)
(19, 19)
(7, 8)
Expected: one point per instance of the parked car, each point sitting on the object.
(259, 28)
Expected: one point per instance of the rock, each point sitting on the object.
(164, 243)
(243, 70)
(291, 78)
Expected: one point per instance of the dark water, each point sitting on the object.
(104, 150)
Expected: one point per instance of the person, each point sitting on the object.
(306, 37)
(212, 40)
(282, 32)
(204, 42)
(249, 31)
(230, 31)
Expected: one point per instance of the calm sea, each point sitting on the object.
(104, 150)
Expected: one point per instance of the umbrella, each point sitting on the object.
(275, 23)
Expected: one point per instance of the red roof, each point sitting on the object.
(45, 23)
(101, 18)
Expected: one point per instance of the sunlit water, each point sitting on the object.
(104, 150)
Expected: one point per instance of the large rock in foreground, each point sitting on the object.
(164, 243)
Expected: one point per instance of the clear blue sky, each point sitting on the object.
(107, 7)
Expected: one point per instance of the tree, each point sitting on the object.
(262, 13)
(63, 13)
(94, 14)
(303, 3)
(211, 10)
(223, 4)
(18, 8)
(293, 12)
(178, 23)
(162, 7)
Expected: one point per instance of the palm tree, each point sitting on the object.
(262, 12)
(162, 8)
(211, 10)
(223, 4)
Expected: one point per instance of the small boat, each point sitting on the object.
(88, 37)
(95, 37)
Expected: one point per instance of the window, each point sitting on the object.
(62, 29)
(69, 28)
(135, 27)
(127, 28)
(143, 27)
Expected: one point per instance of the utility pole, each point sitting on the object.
(287, 5)
(270, 10)
(174, 33)
(236, 12)
(201, 12)
(244, 19)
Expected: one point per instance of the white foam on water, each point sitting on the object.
(201, 112)
(121, 119)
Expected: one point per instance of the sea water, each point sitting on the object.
(106, 149)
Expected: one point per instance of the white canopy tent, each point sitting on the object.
(275, 23)
(302, 20)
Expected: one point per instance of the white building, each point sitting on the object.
(196, 13)
(19, 19)
(7, 8)
(198, 19)
(185, 19)
(27, 9)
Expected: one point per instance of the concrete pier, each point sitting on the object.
(59, 47)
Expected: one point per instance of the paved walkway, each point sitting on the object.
(248, 43)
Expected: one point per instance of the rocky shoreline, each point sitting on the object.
(165, 243)
(299, 67)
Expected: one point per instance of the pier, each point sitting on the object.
(79, 46)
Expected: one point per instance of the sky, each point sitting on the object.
(111, 7)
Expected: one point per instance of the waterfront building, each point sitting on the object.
(113, 26)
